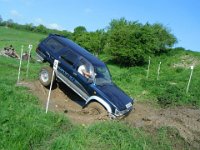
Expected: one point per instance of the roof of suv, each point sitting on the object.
(78, 49)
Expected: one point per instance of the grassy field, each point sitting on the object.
(24, 124)
(17, 38)
(170, 88)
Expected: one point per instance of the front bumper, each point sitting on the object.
(120, 114)
(123, 112)
(39, 56)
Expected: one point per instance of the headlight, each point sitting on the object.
(120, 113)
(129, 105)
(117, 112)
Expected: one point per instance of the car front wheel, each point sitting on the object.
(96, 108)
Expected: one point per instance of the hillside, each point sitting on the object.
(170, 88)
(18, 38)
(174, 71)
(24, 124)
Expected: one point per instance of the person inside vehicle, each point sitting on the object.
(83, 70)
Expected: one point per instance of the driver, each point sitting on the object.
(83, 70)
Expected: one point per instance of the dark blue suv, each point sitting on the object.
(97, 89)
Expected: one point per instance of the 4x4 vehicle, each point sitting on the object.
(98, 88)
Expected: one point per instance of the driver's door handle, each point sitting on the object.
(48, 54)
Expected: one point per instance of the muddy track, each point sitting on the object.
(185, 120)
(63, 100)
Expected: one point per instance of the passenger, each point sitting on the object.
(83, 70)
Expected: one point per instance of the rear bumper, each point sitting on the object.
(39, 57)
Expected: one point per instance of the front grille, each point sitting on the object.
(123, 112)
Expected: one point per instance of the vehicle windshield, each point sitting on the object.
(102, 76)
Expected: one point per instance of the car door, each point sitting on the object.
(83, 80)
(67, 73)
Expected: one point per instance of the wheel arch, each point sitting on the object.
(99, 100)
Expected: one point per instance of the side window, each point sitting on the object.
(69, 57)
(54, 44)
(86, 69)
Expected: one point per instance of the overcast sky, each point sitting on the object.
(182, 17)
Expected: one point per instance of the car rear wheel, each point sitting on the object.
(45, 76)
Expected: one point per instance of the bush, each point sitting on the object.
(179, 69)
(131, 43)
(173, 95)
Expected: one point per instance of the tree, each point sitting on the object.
(41, 29)
(123, 42)
(2, 23)
(1, 19)
(79, 30)
(29, 27)
(131, 43)
(164, 38)
(92, 41)
(66, 34)
(9, 22)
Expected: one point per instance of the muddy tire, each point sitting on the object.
(96, 108)
(45, 76)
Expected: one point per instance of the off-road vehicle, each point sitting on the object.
(97, 90)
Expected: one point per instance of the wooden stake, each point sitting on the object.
(55, 66)
(148, 67)
(20, 64)
(29, 54)
(158, 71)
(49, 95)
(188, 85)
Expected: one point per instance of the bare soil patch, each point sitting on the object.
(185, 119)
(63, 100)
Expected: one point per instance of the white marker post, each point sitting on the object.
(55, 66)
(148, 67)
(188, 85)
(29, 54)
(158, 71)
(20, 64)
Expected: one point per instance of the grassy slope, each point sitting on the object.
(24, 124)
(133, 80)
(17, 38)
(170, 89)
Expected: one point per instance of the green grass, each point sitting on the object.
(112, 135)
(170, 89)
(18, 38)
(24, 124)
